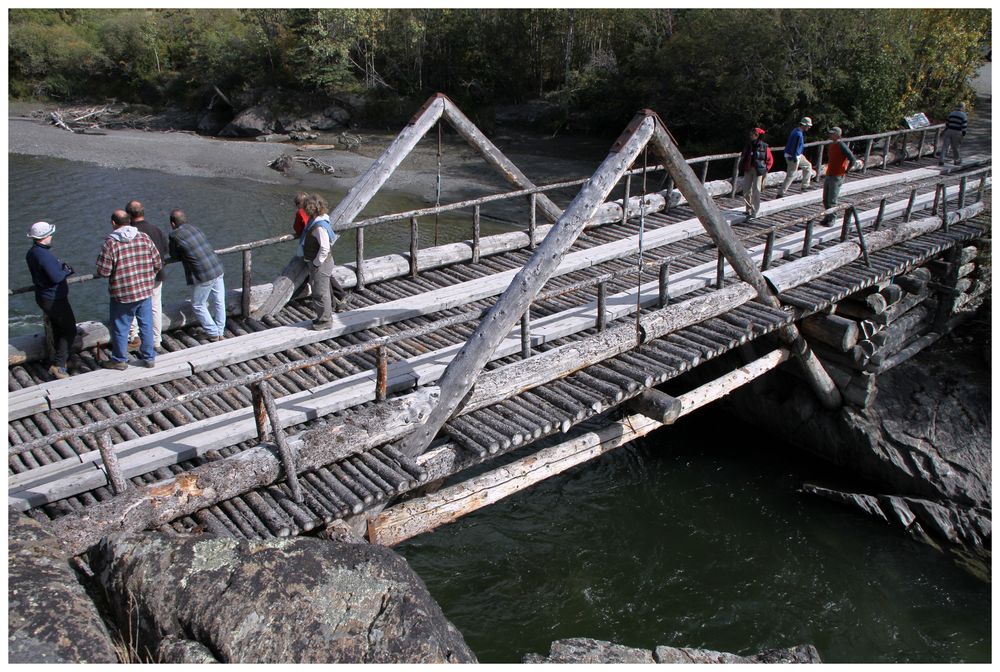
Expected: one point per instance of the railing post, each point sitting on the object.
(944, 207)
(909, 205)
(819, 158)
(247, 283)
(736, 177)
(982, 185)
(664, 283)
(602, 306)
(720, 268)
(360, 258)
(625, 197)
(526, 333)
(111, 466)
(413, 247)
(381, 373)
(880, 215)
(861, 236)
(937, 199)
(765, 263)
(259, 412)
(532, 222)
(704, 172)
(868, 154)
(902, 148)
(885, 152)
(845, 223)
(962, 186)
(287, 459)
(475, 234)
(670, 192)
(807, 241)
(920, 147)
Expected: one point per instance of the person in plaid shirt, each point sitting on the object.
(130, 261)
(203, 269)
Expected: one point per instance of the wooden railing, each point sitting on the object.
(413, 216)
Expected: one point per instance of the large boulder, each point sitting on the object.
(251, 122)
(297, 600)
(50, 617)
(332, 117)
(582, 650)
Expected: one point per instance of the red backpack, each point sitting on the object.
(769, 159)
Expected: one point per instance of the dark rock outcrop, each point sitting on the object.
(583, 650)
(253, 121)
(50, 617)
(924, 442)
(291, 600)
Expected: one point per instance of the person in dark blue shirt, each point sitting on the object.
(48, 275)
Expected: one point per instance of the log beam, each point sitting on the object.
(657, 405)
(417, 516)
(214, 482)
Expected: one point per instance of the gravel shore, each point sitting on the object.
(464, 172)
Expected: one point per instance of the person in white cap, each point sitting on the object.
(795, 159)
(48, 275)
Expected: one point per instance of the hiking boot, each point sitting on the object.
(148, 363)
(322, 326)
(216, 339)
(340, 305)
(112, 364)
(58, 372)
(134, 344)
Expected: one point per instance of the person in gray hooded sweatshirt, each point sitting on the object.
(130, 262)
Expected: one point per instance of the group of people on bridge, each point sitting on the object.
(133, 257)
(756, 160)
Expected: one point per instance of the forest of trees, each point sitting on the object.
(709, 73)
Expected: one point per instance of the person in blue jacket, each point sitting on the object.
(795, 160)
(48, 275)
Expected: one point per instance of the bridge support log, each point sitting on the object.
(423, 514)
(159, 503)
(658, 406)
(838, 332)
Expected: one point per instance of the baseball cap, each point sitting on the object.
(41, 230)
(806, 121)
(835, 130)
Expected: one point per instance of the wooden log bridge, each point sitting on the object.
(632, 309)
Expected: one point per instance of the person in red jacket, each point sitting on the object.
(301, 218)
(841, 160)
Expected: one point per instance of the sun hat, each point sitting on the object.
(806, 121)
(835, 130)
(41, 230)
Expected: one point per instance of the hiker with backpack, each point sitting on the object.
(755, 161)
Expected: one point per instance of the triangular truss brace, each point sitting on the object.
(437, 107)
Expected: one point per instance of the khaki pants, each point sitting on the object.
(793, 166)
(752, 184)
(157, 298)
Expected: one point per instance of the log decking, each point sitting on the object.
(300, 428)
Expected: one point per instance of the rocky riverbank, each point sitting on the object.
(921, 450)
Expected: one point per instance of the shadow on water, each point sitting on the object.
(697, 536)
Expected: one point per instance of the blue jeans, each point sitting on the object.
(208, 301)
(121, 319)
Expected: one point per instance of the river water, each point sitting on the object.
(697, 536)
